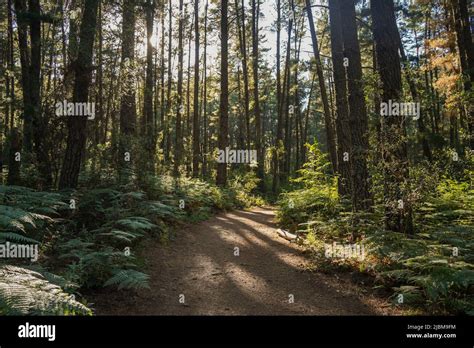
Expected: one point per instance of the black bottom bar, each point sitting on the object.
(133, 331)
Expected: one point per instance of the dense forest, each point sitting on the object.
(123, 121)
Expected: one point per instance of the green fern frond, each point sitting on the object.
(13, 218)
(26, 292)
(46, 203)
(128, 279)
(123, 236)
(162, 210)
(16, 238)
(136, 223)
(54, 278)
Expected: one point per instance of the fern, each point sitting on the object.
(411, 294)
(121, 236)
(128, 279)
(55, 279)
(435, 266)
(45, 203)
(87, 243)
(136, 223)
(162, 210)
(16, 238)
(26, 292)
(16, 219)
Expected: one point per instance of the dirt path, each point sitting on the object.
(200, 263)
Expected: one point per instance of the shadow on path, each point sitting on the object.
(232, 264)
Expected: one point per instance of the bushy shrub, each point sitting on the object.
(90, 236)
(433, 269)
(317, 193)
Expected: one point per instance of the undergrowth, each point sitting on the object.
(87, 238)
(432, 270)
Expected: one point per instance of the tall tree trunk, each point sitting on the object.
(240, 124)
(466, 54)
(147, 131)
(13, 177)
(343, 126)
(196, 125)
(21, 9)
(223, 136)
(166, 136)
(9, 85)
(242, 33)
(156, 83)
(128, 117)
(100, 81)
(204, 97)
(330, 132)
(286, 107)
(72, 49)
(9, 80)
(162, 74)
(39, 123)
(187, 134)
(298, 114)
(14, 166)
(361, 197)
(279, 130)
(283, 107)
(76, 140)
(178, 144)
(398, 214)
(257, 113)
(467, 37)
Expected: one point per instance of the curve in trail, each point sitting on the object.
(201, 263)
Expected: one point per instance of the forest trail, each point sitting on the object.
(200, 263)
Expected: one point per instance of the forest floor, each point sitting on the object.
(201, 263)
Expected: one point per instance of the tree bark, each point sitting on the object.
(162, 74)
(256, 95)
(196, 125)
(100, 81)
(361, 197)
(178, 144)
(242, 34)
(283, 107)
(330, 132)
(204, 97)
(166, 136)
(38, 122)
(398, 214)
(148, 115)
(21, 9)
(466, 54)
(279, 131)
(343, 127)
(77, 125)
(128, 116)
(223, 136)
